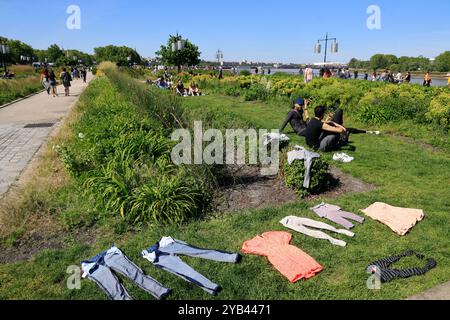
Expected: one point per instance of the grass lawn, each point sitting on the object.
(13, 89)
(405, 175)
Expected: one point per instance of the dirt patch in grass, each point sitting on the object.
(245, 188)
(32, 243)
(341, 183)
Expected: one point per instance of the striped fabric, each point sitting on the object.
(383, 267)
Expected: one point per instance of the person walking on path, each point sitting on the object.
(53, 83)
(45, 80)
(84, 75)
(427, 80)
(66, 79)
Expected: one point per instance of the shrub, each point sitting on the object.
(245, 73)
(439, 110)
(393, 103)
(293, 175)
(256, 92)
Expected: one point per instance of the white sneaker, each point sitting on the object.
(342, 157)
(374, 132)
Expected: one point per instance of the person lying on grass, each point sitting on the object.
(298, 117)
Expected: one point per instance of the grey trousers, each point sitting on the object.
(304, 225)
(301, 153)
(165, 255)
(99, 269)
(329, 143)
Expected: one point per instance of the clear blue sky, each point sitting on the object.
(257, 30)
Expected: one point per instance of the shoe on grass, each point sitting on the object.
(342, 157)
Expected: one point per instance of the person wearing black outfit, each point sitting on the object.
(298, 117)
(325, 135)
(407, 78)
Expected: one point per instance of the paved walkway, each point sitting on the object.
(441, 292)
(25, 125)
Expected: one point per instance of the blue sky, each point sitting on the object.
(256, 30)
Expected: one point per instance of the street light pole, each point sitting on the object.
(334, 48)
(219, 56)
(177, 47)
(4, 49)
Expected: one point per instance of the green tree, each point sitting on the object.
(75, 57)
(122, 56)
(383, 61)
(54, 52)
(442, 62)
(190, 55)
(17, 49)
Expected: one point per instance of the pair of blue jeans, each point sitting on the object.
(100, 270)
(165, 255)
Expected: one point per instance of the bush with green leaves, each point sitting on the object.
(245, 73)
(294, 174)
(439, 110)
(393, 103)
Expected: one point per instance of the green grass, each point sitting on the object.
(11, 90)
(405, 175)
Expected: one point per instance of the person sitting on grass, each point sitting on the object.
(298, 117)
(193, 89)
(323, 135)
(180, 89)
(162, 84)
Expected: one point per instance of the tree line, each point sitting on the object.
(394, 63)
(121, 55)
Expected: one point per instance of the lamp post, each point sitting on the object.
(219, 57)
(334, 46)
(4, 49)
(177, 47)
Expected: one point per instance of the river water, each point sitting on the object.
(414, 79)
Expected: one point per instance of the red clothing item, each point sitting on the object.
(292, 262)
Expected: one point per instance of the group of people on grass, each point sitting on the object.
(193, 90)
(8, 75)
(166, 83)
(325, 131)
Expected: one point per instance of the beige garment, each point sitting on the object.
(400, 220)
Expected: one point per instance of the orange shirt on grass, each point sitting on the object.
(289, 260)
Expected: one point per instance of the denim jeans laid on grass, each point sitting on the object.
(165, 255)
(99, 269)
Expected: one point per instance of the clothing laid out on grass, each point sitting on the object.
(304, 225)
(99, 269)
(308, 157)
(336, 215)
(400, 220)
(384, 268)
(290, 261)
(271, 137)
(165, 255)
